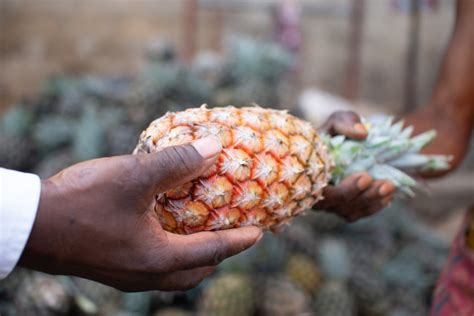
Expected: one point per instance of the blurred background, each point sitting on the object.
(80, 79)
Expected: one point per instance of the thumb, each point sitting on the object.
(345, 123)
(176, 165)
(350, 129)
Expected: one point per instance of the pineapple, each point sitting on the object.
(52, 132)
(92, 297)
(226, 295)
(280, 297)
(172, 311)
(303, 271)
(54, 163)
(43, 294)
(273, 166)
(334, 299)
(15, 152)
(268, 256)
(369, 290)
(138, 303)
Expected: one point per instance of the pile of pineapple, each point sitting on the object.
(386, 265)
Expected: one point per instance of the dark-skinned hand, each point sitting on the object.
(96, 220)
(358, 195)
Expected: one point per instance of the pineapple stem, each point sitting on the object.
(388, 153)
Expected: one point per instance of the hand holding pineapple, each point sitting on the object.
(95, 220)
(358, 195)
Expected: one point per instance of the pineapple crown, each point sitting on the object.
(388, 152)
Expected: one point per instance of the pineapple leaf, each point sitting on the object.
(386, 153)
(422, 140)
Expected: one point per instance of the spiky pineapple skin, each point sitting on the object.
(272, 167)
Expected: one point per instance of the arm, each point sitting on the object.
(451, 108)
(96, 220)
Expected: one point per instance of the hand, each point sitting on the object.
(96, 220)
(358, 195)
(345, 123)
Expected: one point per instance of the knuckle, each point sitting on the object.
(131, 169)
(367, 199)
(219, 251)
(334, 116)
(352, 115)
(185, 156)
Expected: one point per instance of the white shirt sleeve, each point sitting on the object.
(19, 199)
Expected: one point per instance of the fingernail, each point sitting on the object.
(259, 237)
(363, 183)
(360, 128)
(384, 189)
(207, 147)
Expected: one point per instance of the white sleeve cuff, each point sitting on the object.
(19, 199)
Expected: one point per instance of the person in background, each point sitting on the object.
(450, 112)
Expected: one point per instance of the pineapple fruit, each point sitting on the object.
(303, 271)
(280, 297)
(334, 297)
(273, 166)
(228, 294)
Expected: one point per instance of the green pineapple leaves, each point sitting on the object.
(388, 152)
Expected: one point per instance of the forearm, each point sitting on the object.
(451, 108)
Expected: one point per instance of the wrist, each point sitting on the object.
(41, 251)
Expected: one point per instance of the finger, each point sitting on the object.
(209, 248)
(378, 205)
(350, 129)
(375, 208)
(277, 228)
(387, 200)
(346, 123)
(387, 188)
(176, 165)
(347, 190)
(170, 281)
(181, 280)
(372, 194)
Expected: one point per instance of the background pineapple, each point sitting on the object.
(15, 152)
(42, 295)
(54, 163)
(281, 297)
(229, 294)
(173, 311)
(304, 272)
(334, 297)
